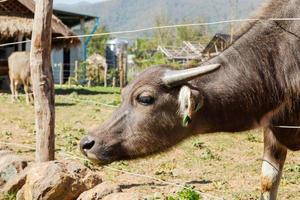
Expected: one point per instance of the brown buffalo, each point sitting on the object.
(254, 83)
(19, 74)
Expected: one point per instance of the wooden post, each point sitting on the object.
(105, 75)
(76, 71)
(20, 39)
(42, 81)
(61, 74)
(125, 68)
(114, 82)
(121, 69)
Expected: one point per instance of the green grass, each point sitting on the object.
(185, 194)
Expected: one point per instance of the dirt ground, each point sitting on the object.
(222, 164)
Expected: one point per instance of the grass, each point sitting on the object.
(223, 164)
(185, 194)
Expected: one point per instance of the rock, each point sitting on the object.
(123, 196)
(99, 191)
(20, 194)
(10, 166)
(14, 184)
(63, 180)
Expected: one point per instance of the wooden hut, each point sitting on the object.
(216, 45)
(16, 20)
(190, 50)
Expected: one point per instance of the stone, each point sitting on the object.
(10, 166)
(20, 194)
(99, 191)
(14, 184)
(63, 180)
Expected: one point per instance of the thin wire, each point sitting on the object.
(159, 27)
(143, 176)
(91, 101)
(114, 169)
(14, 43)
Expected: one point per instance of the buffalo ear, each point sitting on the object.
(190, 101)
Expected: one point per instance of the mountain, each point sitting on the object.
(133, 14)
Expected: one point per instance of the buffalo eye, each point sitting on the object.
(145, 100)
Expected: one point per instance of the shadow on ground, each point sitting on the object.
(65, 104)
(153, 184)
(80, 91)
(202, 182)
(132, 185)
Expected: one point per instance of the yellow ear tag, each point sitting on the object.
(186, 120)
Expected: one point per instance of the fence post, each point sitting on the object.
(114, 81)
(76, 71)
(61, 74)
(105, 75)
(42, 81)
(125, 68)
(121, 69)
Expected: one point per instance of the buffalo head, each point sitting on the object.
(156, 112)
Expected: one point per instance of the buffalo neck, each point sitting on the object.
(253, 81)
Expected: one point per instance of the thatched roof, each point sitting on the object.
(16, 18)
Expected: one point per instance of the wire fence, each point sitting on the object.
(160, 27)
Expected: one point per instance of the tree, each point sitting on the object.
(42, 80)
(97, 44)
(190, 33)
(163, 36)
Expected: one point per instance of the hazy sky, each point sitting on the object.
(75, 1)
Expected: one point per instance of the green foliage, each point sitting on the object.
(112, 73)
(145, 50)
(208, 155)
(186, 194)
(146, 54)
(293, 168)
(98, 44)
(189, 33)
(163, 36)
(198, 144)
(10, 196)
(81, 75)
(253, 138)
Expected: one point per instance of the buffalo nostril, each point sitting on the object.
(87, 144)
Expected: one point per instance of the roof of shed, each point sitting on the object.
(16, 18)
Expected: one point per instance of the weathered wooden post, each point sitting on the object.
(121, 69)
(76, 71)
(105, 75)
(42, 81)
(125, 68)
(61, 74)
(114, 81)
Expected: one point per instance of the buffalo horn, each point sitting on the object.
(175, 77)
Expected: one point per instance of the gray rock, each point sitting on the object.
(10, 166)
